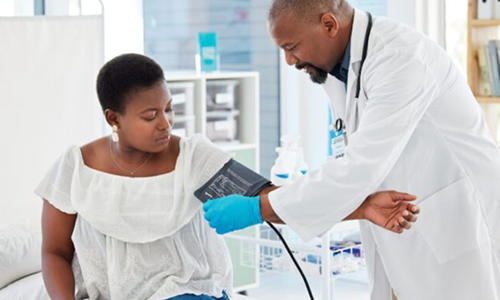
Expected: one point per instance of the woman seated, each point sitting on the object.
(120, 220)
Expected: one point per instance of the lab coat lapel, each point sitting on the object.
(357, 41)
(335, 90)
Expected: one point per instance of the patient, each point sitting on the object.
(119, 217)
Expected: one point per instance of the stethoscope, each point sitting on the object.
(339, 123)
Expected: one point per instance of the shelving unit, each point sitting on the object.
(316, 258)
(484, 23)
(486, 100)
(245, 149)
(479, 32)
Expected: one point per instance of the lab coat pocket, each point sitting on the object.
(451, 221)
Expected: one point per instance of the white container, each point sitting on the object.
(303, 168)
(184, 126)
(222, 126)
(496, 10)
(222, 130)
(182, 97)
(485, 9)
(281, 171)
(290, 164)
(222, 94)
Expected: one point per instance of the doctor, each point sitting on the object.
(411, 123)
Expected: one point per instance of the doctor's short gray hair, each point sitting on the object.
(309, 10)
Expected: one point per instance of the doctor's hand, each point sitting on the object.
(232, 213)
(391, 210)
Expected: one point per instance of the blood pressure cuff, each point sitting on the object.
(233, 178)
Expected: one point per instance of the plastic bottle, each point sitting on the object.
(290, 164)
(303, 167)
(280, 173)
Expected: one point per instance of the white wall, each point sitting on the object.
(403, 11)
(124, 28)
(428, 16)
(10, 8)
(33, 136)
(47, 101)
(304, 111)
(123, 22)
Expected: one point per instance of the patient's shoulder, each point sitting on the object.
(95, 151)
(200, 147)
(203, 158)
(197, 138)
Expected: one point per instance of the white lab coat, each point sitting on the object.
(418, 129)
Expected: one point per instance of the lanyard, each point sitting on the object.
(365, 52)
(338, 134)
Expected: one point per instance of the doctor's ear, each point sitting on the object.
(111, 117)
(330, 23)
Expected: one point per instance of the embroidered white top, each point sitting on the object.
(145, 237)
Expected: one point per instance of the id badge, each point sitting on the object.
(338, 143)
(338, 139)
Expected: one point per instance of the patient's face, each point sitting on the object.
(147, 122)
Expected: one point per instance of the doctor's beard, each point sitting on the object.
(317, 75)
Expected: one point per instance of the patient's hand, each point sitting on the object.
(390, 209)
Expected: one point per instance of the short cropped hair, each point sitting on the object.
(124, 75)
(309, 10)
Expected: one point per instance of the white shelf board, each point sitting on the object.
(223, 114)
(184, 118)
(235, 146)
(192, 75)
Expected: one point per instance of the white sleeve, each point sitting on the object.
(55, 187)
(399, 88)
(206, 160)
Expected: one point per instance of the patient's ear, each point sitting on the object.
(111, 117)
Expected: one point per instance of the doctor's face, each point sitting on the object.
(307, 46)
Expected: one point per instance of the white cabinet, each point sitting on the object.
(225, 107)
(225, 104)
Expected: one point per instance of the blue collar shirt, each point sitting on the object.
(341, 70)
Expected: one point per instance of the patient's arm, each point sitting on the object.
(57, 252)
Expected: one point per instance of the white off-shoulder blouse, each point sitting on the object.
(142, 238)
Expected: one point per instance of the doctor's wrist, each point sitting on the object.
(267, 212)
(358, 214)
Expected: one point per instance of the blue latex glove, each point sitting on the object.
(232, 213)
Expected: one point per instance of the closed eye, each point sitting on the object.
(150, 118)
(289, 47)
